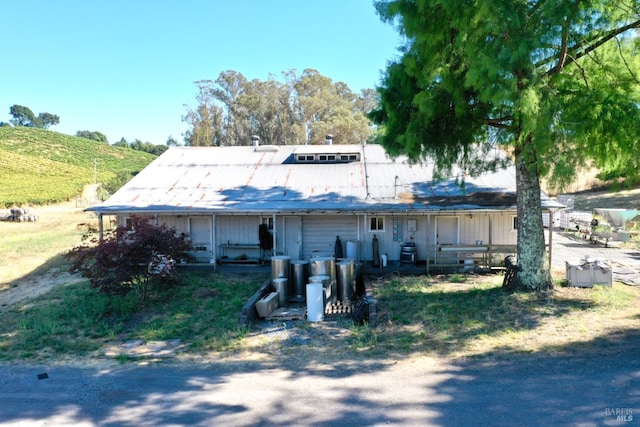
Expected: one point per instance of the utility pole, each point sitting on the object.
(95, 180)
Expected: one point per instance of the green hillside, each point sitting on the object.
(40, 166)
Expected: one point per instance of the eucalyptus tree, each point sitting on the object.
(301, 109)
(268, 107)
(228, 89)
(206, 119)
(554, 82)
(326, 107)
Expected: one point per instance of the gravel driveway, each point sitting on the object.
(625, 262)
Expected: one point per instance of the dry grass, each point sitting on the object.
(34, 247)
(623, 199)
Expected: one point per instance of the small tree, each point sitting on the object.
(94, 135)
(46, 120)
(134, 259)
(22, 116)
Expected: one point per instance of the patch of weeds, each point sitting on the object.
(611, 297)
(458, 278)
(124, 358)
(364, 336)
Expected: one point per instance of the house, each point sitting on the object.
(308, 196)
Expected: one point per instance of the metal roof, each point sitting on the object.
(267, 179)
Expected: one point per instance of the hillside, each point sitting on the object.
(40, 166)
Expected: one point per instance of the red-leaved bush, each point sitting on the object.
(132, 259)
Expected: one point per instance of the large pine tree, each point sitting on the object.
(555, 82)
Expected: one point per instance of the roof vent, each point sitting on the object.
(255, 139)
(266, 148)
(328, 139)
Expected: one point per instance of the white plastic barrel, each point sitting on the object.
(352, 250)
(315, 302)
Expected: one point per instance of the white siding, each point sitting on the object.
(237, 229)
(391, 247)
(502, 229)
(474, 228)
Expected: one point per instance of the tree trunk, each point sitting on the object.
(533, 270)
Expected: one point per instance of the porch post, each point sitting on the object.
(214, 247)
(275, 234)
(428, 227)
(550, 237)
(100, 227)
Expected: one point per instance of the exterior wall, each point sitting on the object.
(237, 229)
(318, 233)
(502, 230)
(396, 232)
(180, 223)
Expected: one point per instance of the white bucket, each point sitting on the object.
(315, 302)
(469, 264)
(383, 259)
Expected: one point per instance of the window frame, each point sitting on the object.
(379, 222)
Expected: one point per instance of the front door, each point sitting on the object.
(292, 237)
(446, 230)
(200, 234)
(447, 234)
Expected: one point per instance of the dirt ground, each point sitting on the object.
(35, 285)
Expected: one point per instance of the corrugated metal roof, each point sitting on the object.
(267, 179)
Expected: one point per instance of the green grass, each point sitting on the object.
(418, 316)
(428, 316)
(76, 319)
(40, 166)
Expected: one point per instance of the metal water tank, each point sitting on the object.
(346, 280)
(281, 285)
(326, 285)
(280, 266)
(298, 278)
(320, 266)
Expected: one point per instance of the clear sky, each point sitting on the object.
(127, 68)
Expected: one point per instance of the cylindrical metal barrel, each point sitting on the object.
(352, 250)
(408, 253)
(319, 266)
(326, 285)
(280, 266)
(281, 284)
(298, 278)
(346, 279)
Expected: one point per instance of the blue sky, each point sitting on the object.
(126, 68)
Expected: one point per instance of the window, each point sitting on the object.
(302, 158)
(514, 223)
(376, 223)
